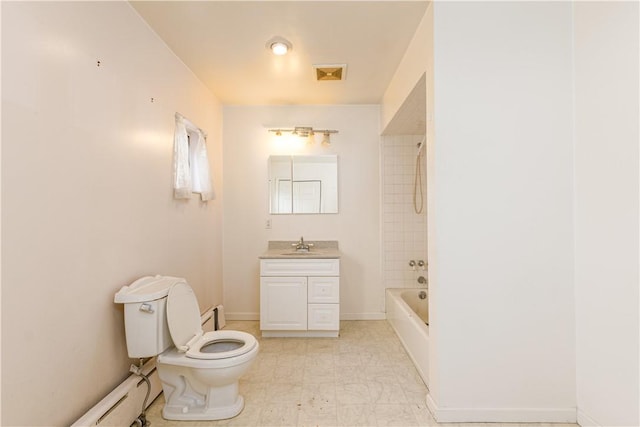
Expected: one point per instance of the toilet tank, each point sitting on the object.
(145, 315)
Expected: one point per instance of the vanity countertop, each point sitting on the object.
(284, 250)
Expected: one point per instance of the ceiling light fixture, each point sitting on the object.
(279, 46)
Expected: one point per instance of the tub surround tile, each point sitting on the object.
(404, 232)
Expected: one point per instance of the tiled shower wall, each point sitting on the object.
(404, 232)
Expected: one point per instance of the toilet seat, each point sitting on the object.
(204, 348)
(183, 319)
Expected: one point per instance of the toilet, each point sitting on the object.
(199, 370)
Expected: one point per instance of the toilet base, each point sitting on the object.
(185, 413)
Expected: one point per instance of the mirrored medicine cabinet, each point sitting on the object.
(303, 184)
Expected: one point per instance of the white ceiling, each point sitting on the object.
(223, 43)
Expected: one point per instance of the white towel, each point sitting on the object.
(181, 170)
(200, 174)
(191, 172)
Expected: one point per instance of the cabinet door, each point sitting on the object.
(324, 317)
(283, 303)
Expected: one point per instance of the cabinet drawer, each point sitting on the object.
(323, 289)
(323, 317)
(299, 267)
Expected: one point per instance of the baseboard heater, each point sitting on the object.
(122, 406)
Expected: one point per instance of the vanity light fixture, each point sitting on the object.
(279, 45)
(307, 132)
(302, 131)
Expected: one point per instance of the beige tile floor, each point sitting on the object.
(362, 378)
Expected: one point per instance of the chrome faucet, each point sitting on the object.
(302, 246)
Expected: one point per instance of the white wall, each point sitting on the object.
(410, 70)
(501, 242)
(87, 198)
(247, 146)
(606, 220)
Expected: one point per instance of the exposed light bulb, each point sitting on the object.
(279, 45)
(326, 139)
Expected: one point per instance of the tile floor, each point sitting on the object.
(363, 378)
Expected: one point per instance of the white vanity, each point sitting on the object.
(300, 291)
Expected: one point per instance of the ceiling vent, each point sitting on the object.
(330, 72)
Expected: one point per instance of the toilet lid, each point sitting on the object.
(183, 315)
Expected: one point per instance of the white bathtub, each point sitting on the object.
(409, 315)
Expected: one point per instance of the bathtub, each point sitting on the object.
(409, 317)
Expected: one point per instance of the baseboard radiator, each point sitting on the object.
(123, 405)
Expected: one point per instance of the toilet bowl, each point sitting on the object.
(197, 388)
(199, 371)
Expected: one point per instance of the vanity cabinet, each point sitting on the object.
(300, 297)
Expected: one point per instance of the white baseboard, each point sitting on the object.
(586, 421)
(343, 316)
(501, 415)
(363, 316)
(124, 404)
(242, 316)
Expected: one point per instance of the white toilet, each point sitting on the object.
(199, 371)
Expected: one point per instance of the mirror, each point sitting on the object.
(303, 184)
